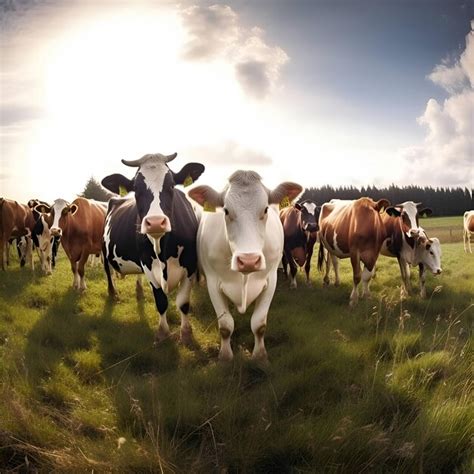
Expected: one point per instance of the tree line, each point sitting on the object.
(443, 201)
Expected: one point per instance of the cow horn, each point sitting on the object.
(170, 157)
(136, 163)
(417, 204)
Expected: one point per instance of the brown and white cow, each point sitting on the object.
(468, 229)
(406, 240)
(352, 229)
(80, 225)
(16, 220)
(300, 226)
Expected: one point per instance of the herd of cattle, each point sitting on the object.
(236, 239)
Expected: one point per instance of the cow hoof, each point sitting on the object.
(187, 338)
(225, 356)
(162, 334)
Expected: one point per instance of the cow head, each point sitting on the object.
(245, 202)
(409, 213)
(309, 215)
(58, 214)
(153, 185)
(429, 252)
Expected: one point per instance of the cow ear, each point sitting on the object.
(116, 181)
(42, 209)
(425, 212)
(188, 174)
(382, 204)
(73, 209)
(205, 195)
(393, 211)
(32, 203)
(284, 190)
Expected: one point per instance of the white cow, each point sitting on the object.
(427, 255)
(239, 250)
(468, 230)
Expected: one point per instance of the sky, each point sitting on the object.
(339, 92)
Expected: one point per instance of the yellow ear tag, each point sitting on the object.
(209, 207)
(285, 202)
(122, 191)
(188, 181)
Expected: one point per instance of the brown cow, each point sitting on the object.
(81, 227)
(352, 229)
(300, 226)
(16, 220)
(468, 230)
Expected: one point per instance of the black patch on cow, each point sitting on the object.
(37, 230)
(143, 195)
(161, 300)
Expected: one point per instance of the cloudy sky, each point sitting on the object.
(341, 92)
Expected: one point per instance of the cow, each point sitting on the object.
(16, 220)
(154, 233)
(239, 250)
(403, 240)
(80, 227)
(468, 229)
(46, 245)
(300, 226)
(352, 229)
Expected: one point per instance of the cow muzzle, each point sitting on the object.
(56, 231)
(413, 233)
(248, 262)
(437, 271)
(311, 228)
(156, 226)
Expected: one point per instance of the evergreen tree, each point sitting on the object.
(93, 190)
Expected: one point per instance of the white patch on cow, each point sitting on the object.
(127, 267)
(468, 230)
(411, 211)
(57, 209)
(154, 173)
(45, 249)
(310, 207)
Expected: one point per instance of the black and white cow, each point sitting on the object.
(154, 233)
(46, 244)
(300, 226)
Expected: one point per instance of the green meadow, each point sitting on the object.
(386, 387)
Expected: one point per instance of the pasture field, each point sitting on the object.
(386, 387)
(447, 229)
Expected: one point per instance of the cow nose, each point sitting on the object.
(248, 262)
(438, 272)
(56, 231)
(156, 225)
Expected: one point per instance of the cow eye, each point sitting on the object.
(431, 253)
(266, 210)
(226, 212)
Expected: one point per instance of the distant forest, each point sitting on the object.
(443, 201)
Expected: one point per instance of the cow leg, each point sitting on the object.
(422, 274)
(76, 278)
(29, 252)
(258, 322)
(469, 241)
(326, 256)
(110, 283)
(4, 253)
(139, 289)
(284, 264)
(366, 277)
(335, 264)
(356, 276)
(161, 302)
(293, 271)
(182, 302)
(309, 256)
(405, 273)
(80, 270)
(224, 318)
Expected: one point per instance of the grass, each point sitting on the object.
(386, 387)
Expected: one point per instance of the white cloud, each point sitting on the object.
(447, 155)
(215, 32)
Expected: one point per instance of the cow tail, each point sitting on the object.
(320, 256)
